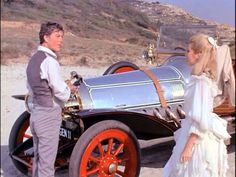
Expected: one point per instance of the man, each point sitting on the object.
(49, 92)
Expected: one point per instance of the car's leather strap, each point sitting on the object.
(157, 86)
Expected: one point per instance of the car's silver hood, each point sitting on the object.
(133, 90)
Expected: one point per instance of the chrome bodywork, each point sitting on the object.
(131, 97)
(135, 90)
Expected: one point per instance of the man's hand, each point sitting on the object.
(71, 87)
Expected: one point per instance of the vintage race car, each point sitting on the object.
(102, 122)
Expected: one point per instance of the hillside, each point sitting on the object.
(98, 33)
(166, 14)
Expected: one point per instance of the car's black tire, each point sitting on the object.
(119, 67)
(116, 135)
(180, 48)
(16, 137)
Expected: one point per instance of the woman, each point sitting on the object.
(200, 150)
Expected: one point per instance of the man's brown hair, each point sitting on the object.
(47, 29)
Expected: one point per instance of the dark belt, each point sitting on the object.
(157, 86)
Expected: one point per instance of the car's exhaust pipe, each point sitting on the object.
(157, 113)
(181, 112)
(173, 117)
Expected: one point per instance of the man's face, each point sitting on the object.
(54, 41)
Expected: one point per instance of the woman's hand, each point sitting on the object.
(188, 149)
(186, 154)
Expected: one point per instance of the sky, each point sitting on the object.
(221, 11)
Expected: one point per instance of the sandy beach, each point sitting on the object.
(155, 153)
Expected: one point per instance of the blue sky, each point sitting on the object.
(221, 11)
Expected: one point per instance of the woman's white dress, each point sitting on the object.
(209, 157)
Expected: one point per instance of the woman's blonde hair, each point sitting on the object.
(206, 63)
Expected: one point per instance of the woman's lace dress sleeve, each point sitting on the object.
(199, 108)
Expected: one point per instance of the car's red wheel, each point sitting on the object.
(20, 143)
(108, 148)
(21, 146)
(120, 67)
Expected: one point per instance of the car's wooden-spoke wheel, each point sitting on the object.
(121, 67)
(110, 150)
(124, 69)
(21, 143)
(21, 146)
(23, 133)
(107, 159)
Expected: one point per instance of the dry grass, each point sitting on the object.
(97, 32)
(18, 43)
